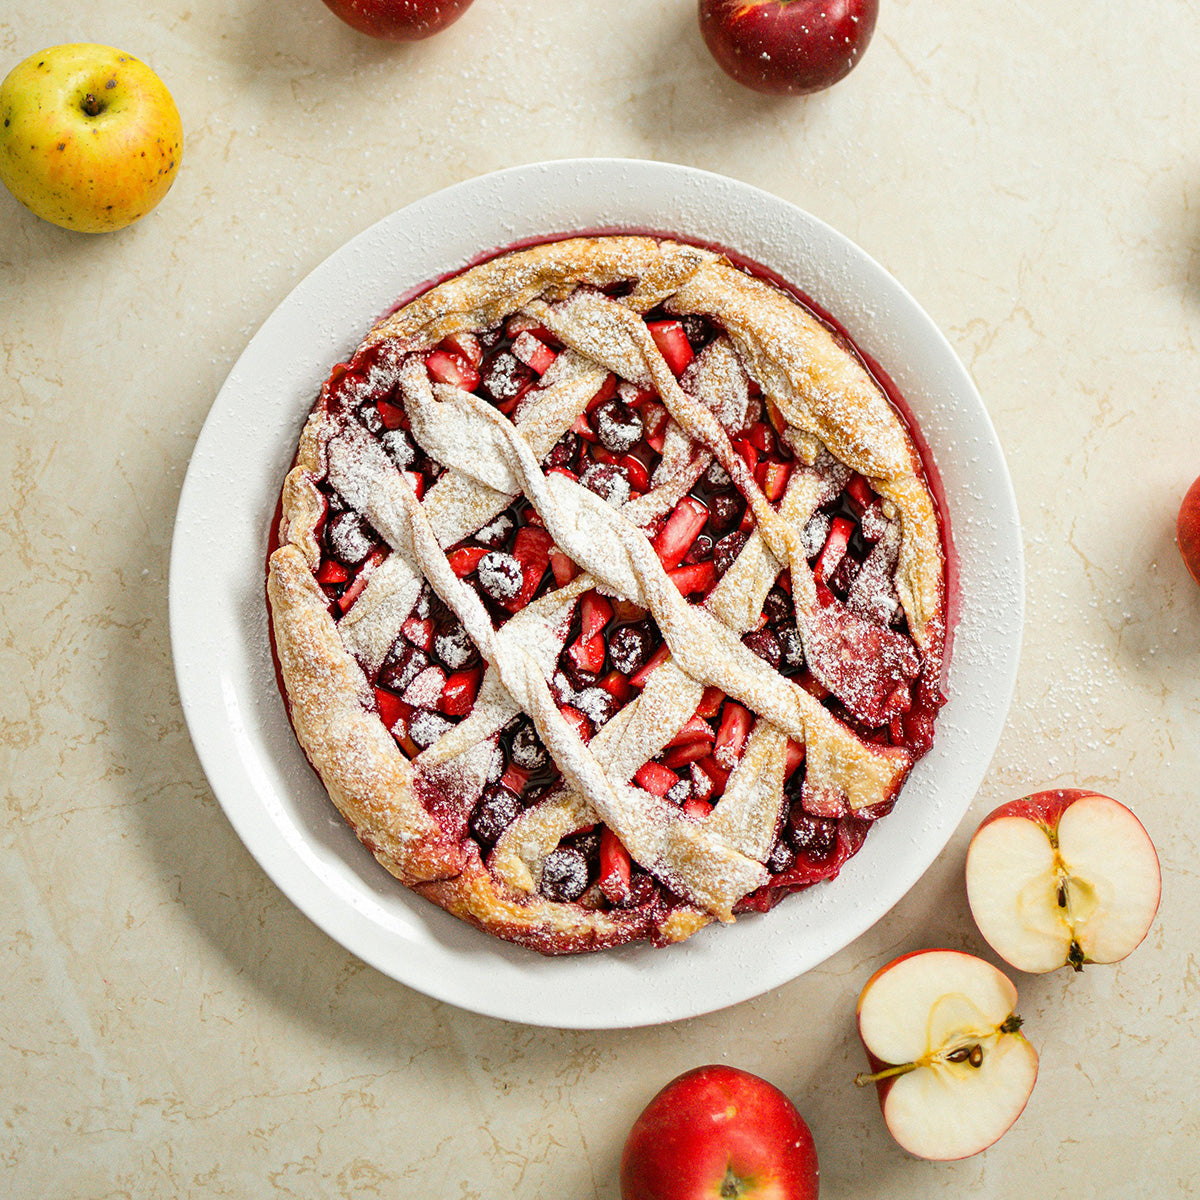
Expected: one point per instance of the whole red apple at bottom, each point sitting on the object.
(717, 1133)
(787, 47)
(399, 20)
(1187, 530)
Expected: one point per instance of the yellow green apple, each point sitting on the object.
(90, 137)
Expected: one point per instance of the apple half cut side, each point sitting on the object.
(1062, 877)
(951, 1068)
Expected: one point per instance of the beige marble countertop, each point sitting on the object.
(173, 1026)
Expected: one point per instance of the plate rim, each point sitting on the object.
(282, 860)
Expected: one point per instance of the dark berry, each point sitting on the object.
(526, 748)
(564, 874)
(500, 575)
(454, 648)
(701, 549)
(368, 414)
(777, 607)
(725, 552)
(504, 377)
(496, 811)
(780, 858)
(765, 644)
(790, 647)
(630, 648)
(814, 837)
(349, 538)
(402, 665)
(564, 453)
(724, 511)
(496, 532)
(399, 447)
(425, 727)
(698, 330)
(717, 478)
(598, 705)
(618, 426)
(608, 481)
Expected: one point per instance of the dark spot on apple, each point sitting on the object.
(62, 145)
(112, 83)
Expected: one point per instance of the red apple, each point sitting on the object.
(399, 20)
(787, 47)
(716, 1133)
(1187, 530)
(1062, 877)
(950, 1065)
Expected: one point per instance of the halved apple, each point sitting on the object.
(952, 1070)
(1061, 877)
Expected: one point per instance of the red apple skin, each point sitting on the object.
(1187, 530)
(716, 1128)
(1046, 808)
(787, 47)
(399, 20)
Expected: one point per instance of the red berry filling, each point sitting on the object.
(432, 674)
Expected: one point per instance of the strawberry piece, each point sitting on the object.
(588, 655)
(696, 808)
(352, 593)
(655, 778)
(747, 522)
(562, 565)
(638, 679)
(465, 559)
(708, 778)
(617, 686)
(584, 430)
(655, 418)
(601, 454)
(634, 396)
(514, 778)
(452, 369)
(458, 696)
(419, 631)
(594, 613)
(795, 756)
(785, 581)
(577, 721)
(868, 667)
(731, 736)
(533, 352)
(606, 391)
(465, 345)
(746, 451)
(813, 687)
(696, 729)
(710, 703)
(695, 577)
(563, 471)
(615, 868)
(390, 707)
(416, 481)
(773, 478)
(860, 492)
(331, 571)
(635, 472)
(392, 415)
(672, 344)
(761, 437)
(675, 538)
(834, 549)
(689, 753)
(519, 323)
(531, 548)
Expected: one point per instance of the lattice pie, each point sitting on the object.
(609, 594)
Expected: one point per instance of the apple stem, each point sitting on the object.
(888, 1073)
(92, 106)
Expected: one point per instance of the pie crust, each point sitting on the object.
(590, 296)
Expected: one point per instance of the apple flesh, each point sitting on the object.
(1062, 877)
(787, 47)
(951, 1068)
(1187, 530)
(718, 1133)
(399, 20)
(90, 138)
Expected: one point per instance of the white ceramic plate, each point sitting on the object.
(219, 621)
